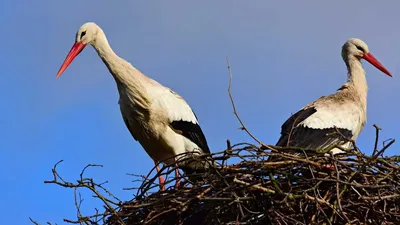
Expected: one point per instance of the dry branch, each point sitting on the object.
(360, 190)
(298, 189)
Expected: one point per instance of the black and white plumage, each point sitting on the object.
(157, 117)
(316, 125)
(311, 137)
(170, 114)
(193, 132)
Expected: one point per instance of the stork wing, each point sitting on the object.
(310, 130)
(129, 126)
(181, 117)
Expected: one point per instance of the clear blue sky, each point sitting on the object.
(283, 55)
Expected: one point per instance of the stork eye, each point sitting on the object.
(360, 48)
(83, 34)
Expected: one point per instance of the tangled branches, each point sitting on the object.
(356, 189)
(247, 189)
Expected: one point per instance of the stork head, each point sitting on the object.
(86, 34)
(357, 48)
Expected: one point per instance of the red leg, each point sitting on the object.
(161, 180)
(329, 166)
(178, 180)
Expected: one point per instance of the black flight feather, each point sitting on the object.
(310, 138)
(192, 132)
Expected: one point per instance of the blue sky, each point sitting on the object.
(283, 55)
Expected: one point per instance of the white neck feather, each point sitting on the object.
(130, 81)
(357, 81)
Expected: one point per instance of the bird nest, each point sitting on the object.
(300, 189)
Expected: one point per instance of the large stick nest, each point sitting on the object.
(355, 189)
(247, 189)
(300, 189)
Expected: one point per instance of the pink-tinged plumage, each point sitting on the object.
(345, 111)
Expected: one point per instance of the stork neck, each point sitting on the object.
(113, 62)
(129, 80)
(356, 78)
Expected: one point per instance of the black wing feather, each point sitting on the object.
(310, 138)
(192, 132)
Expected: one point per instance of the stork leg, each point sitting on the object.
(328, 166)
(177, 177)
(161, 180)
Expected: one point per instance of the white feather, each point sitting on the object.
(347, 116)
(174, 105)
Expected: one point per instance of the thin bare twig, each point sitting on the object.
(34, 222)
(235, 110)
(377, 129)
(298, 191)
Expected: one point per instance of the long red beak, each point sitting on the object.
(371, 59)
(75, 50)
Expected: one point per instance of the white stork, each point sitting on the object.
(157, 117)
(345, 111)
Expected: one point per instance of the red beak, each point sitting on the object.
(75, 50)
(371, 59)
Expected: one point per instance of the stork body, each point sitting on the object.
(157, 117)
(345, 112)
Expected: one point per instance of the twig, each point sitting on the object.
(34, 222)
(255, 186)
(296, 190)
(234, 108)
(377, 129)
(85, 183)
